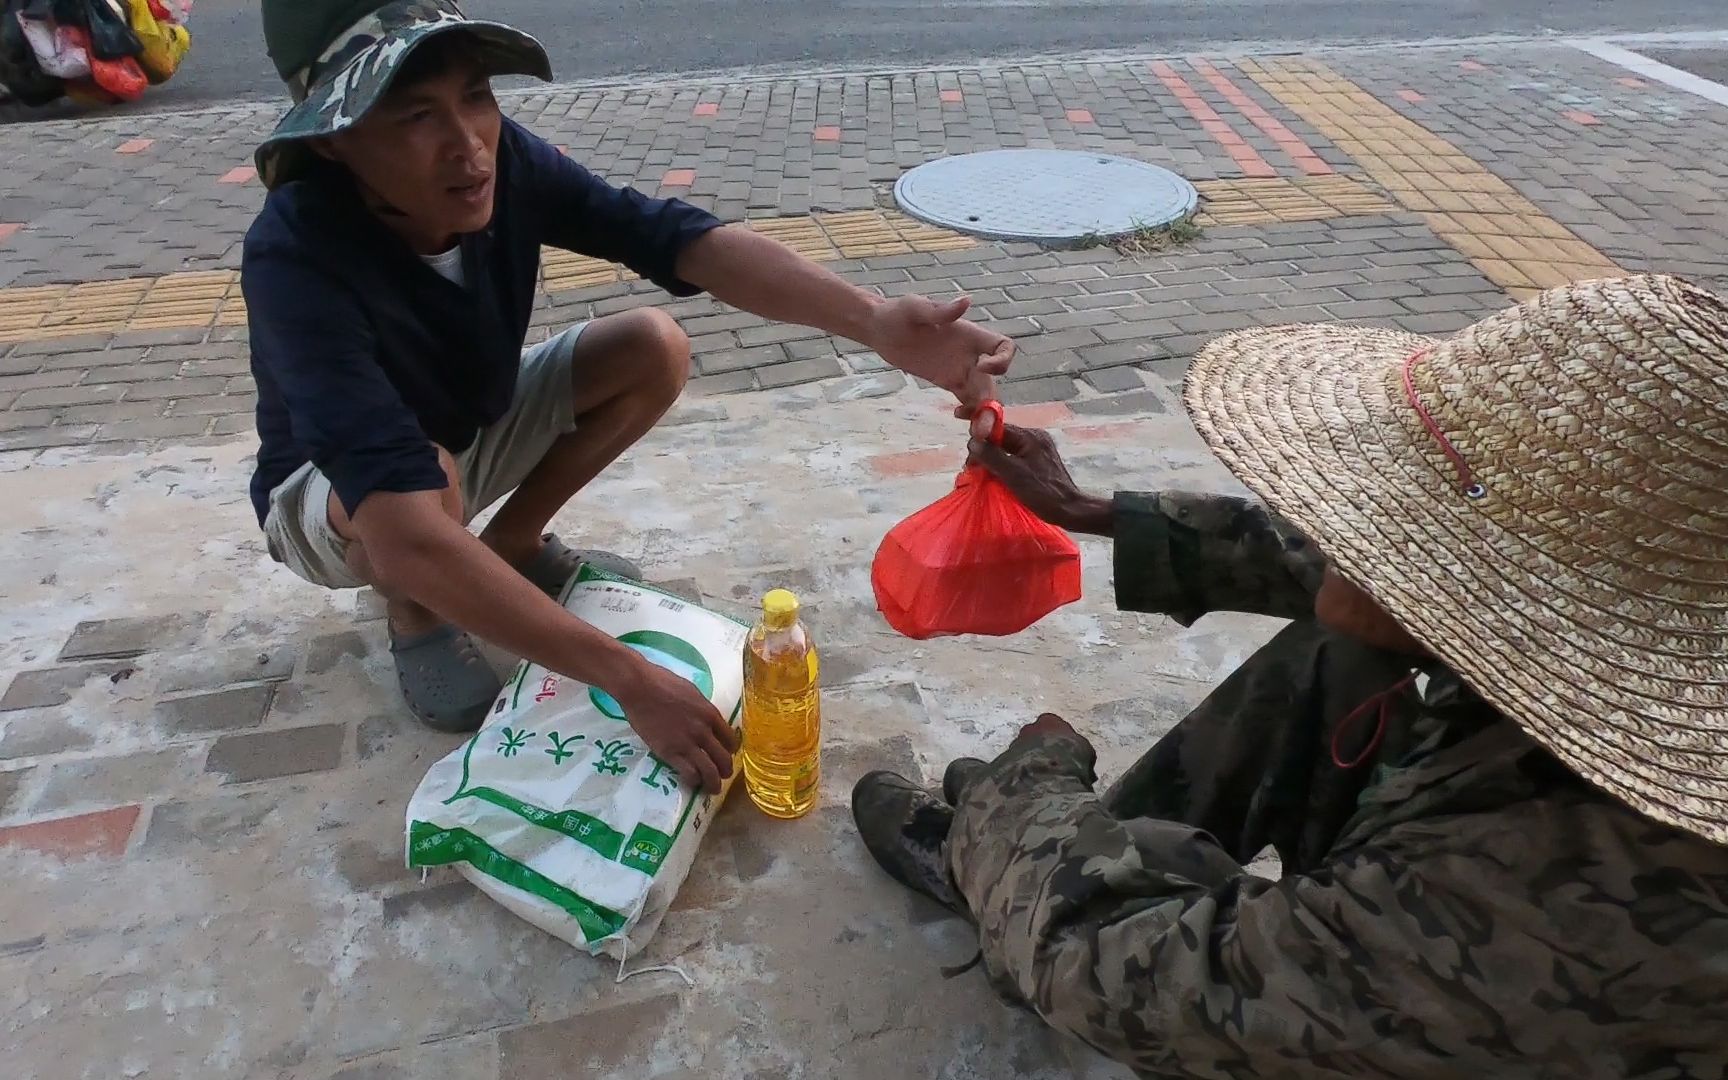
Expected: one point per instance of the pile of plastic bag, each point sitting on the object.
(96, 52)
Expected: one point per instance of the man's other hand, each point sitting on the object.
(680, 726)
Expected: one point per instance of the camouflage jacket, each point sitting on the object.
(1469, 909)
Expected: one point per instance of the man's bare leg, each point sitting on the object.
(626, 371)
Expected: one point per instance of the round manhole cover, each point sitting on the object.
(1049, 196)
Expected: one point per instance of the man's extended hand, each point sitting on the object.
(680, 726)
(937, 344)
(1032, 468)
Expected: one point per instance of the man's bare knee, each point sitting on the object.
(665, 349)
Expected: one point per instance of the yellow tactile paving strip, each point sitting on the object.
(212, 297)
(1264, 201)
(1508, 237)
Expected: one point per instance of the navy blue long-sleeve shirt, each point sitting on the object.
(365, 357)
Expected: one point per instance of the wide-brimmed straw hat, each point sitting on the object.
(339, 57)
(1542, 500)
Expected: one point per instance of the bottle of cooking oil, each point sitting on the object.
(782, 711)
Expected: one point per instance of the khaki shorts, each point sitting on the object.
(298, 530)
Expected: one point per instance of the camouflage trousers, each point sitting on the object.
(1253, 764)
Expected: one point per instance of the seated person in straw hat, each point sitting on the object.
(390, 280)
(1491, 747)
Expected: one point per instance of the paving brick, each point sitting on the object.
(120, 778)
(1367, 309)
(1042, 292)
(104, 639)
(859, 387)
(1219, 323)
(1014, 309)
(146, 372)
(1121, 352)
(40, 732)
(240, 397)
(329, 650)
(1060, 341)
(10, 782)
(172, 336)
(799, 371)
(811, 348)
(167, 427)
(176, 388)
(916, 462)
(103, 834)
(110, 414)
(1114, 379)
(733, 382)
(221, 710)
(46, 438)
(598, 1042)
(69, 395)
(719, 363)
(1071, 319)
(43, 687)
(1439, 323)
(1140, 400)
(266, 755)
(225, 822)
(1036, 390)
(79, 343)
(774, 333)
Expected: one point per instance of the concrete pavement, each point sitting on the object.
(203, 763)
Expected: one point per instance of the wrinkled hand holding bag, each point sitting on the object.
(974, 562)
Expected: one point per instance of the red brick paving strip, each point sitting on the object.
(7, 229)
(1299, 151)
(1080, 116)
(953, 96)
(1411, 96)
(827, 133)
(1579, 116)
(240, 174)
(1245, 156)
(678, 178)
(104, 833)
(919, 462)
(706, 108)
(134, 146)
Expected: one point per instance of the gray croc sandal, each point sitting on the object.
(555, 563)
(448, 685)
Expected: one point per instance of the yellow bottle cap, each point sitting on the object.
(780, 605)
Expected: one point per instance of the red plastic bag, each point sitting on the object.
(974, 562)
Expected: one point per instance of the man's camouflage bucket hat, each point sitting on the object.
(338, 58)
(1542, 500)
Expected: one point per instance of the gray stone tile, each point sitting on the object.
(103, 639)
(41, 687)
(266, 755)
(224, 710)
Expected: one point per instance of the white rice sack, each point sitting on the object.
(555, 808)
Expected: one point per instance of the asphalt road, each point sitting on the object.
(608, 38)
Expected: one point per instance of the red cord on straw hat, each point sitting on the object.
(1384, 700)
(1466, 479)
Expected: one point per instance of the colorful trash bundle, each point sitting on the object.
(96, 52)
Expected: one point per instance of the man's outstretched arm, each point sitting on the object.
(913, 333)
